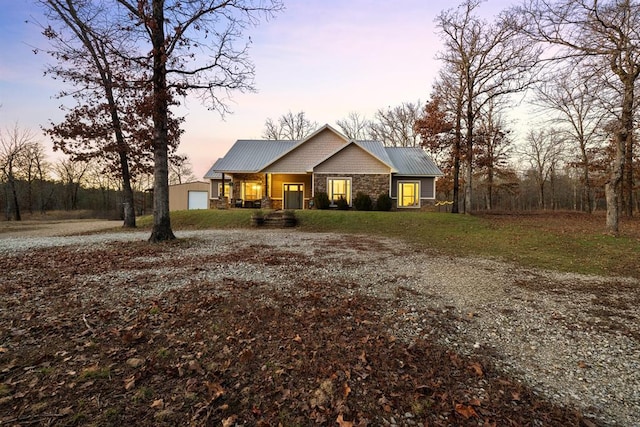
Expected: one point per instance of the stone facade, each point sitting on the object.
(371, 184)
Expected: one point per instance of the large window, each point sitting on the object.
(227, 189)
(251, 190)
(408, 194)
(338, 188)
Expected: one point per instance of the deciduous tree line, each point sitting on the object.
(129, 62)
(31, 183)
(574, 63)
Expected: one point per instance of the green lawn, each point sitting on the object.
(587, 250)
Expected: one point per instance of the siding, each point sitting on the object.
(426, 186)
(179, 194)
(352, 159)
(303, 157)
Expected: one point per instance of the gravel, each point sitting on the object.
(574, 339)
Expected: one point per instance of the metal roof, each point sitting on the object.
(412, 161)
(251, 155)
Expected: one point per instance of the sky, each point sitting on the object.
(324, 57)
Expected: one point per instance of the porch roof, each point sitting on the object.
(250, 156)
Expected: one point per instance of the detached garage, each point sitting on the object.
(191, 195)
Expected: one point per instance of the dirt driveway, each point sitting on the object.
(14, 229)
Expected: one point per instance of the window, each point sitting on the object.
(339, 188)
(409, 194)
(251, 190)
(227, 189)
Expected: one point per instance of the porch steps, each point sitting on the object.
(275, 219)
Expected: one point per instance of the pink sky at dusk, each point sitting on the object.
(324, 57)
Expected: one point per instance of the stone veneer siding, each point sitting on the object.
(371, 184)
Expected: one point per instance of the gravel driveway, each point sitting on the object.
(574, 339)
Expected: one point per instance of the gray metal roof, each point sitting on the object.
(412, 161)
(251, 155)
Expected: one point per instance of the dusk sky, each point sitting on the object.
(324, 57)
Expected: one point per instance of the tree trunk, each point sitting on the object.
(14, 195)
(628, 178)
(161, 221)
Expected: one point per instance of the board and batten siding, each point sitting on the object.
(354, 160)
(305, 156)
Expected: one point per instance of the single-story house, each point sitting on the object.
(190, 195)
(287, 174)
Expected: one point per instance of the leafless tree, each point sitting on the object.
(543, 151)
(180, 170)
(395, 127)
(493, 145)
(289, 126)
(592, 28)
(491, 59)
(354, 126)
(575, 98)
(71, 175)
(15, 144)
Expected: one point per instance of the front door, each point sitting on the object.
(293, 196)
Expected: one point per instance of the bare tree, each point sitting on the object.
(592, 28)
(354, 126)
(492, 60)
(180, 170)
(395, 127)
(71, 175)
(493, 147)
(543, 151)
(289, 126)
(15, 143)
(191, 47)
(575, 99)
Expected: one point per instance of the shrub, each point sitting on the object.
(363, 202)
(383, 203)
(342, 204)
(321, 200)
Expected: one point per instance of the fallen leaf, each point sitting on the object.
(346, 390)
(228, 422)
(477, 369)
(466, 411)
(297, 338)
(342, 423)
(130, 382)
(157, 404)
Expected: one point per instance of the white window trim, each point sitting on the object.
(345, 178)
(418, 198)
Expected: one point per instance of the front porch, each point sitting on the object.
(265, 191)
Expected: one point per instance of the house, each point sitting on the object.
(191, 195)
(287, 174)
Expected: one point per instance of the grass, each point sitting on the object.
(542, 242)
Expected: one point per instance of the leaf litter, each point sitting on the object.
(102, 335)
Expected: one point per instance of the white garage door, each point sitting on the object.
(198, 199)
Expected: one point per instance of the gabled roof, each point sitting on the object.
(301, 142)
(253, 156)
(412, 161)
(374, 148)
